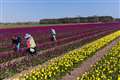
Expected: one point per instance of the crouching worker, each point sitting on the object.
(30, 43)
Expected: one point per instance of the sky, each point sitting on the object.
(34, 10)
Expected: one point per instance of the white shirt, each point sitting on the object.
(53, 31)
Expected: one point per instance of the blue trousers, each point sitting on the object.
(18, 47)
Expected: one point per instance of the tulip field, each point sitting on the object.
(55, 60)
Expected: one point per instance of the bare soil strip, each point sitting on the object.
(86, 65)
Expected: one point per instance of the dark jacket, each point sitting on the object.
(16, 40)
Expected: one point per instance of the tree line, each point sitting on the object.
(90, 19)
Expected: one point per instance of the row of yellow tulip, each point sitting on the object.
(58, 67)
(106, 69)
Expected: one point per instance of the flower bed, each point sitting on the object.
(6, 56)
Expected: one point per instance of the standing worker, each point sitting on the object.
(16, 41)
(53, 34)
(31, 46)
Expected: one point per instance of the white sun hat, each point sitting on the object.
(27, 35)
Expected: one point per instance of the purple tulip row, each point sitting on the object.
(42, 35)
(60, 41)
(8, 55)
(68, 37)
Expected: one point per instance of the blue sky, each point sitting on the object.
(33, 10)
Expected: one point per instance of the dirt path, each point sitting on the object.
(86, 65)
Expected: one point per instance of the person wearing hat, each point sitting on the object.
(31, 45)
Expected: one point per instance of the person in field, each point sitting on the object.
(53, 34)
(30, 43)
(16, 42)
